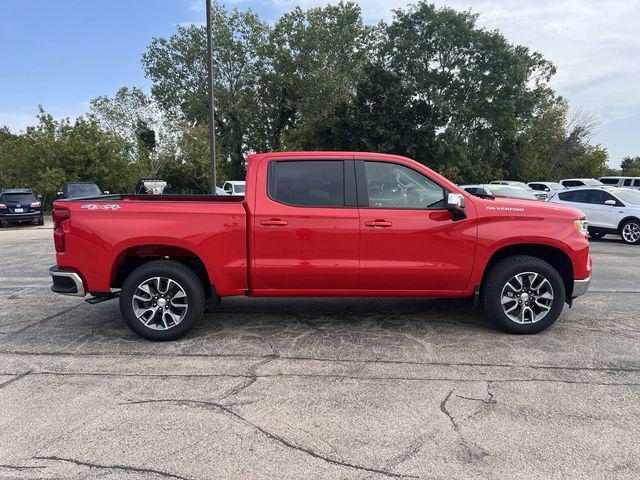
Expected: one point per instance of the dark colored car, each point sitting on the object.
(19, 205)
(79, 189)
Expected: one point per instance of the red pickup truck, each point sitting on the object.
(322, 224)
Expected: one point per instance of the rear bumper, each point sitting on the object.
(66, 282)
(19, 217)
(580, 287)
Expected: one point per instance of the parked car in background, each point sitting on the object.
(19, 205)
(580, 182)
(235, 188)
(322, 224)
(79, 189)
(152, 186)
(499, 190)
(608, 209)
(630, 182)
(540, 195)
(547, 187)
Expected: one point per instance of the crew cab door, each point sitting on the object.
(600, 213)
(306, 228)
(409, 241)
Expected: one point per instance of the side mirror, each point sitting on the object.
(456, 203)
(611, 203)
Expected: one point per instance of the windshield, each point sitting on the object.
(83, 189)
(554, 186)
(593, 181)
(511, 191)
(18, 197)
(627, 196)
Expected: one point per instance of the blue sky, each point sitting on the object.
(63, 53)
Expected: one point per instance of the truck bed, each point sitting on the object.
(102, 231)
(158, 198)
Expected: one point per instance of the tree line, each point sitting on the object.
(430, 84)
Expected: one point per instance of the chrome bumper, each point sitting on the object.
(66, 282)
(580, 287)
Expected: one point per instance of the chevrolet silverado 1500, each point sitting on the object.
(322, 224)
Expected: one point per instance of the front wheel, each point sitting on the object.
(596, 234)
(162, 300)
(523, 294)
(630, 232)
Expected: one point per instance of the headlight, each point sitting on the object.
(581, 226)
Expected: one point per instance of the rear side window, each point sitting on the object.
(578, 196)
(572, 183)
(18, 197)
(636, 182)
(627, 182)
(609, 181)
(316, 183)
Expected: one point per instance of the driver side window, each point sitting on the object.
(390, 185)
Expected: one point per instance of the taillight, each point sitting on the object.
(36, 204)
(59, 216)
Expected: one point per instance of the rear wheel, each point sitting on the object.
(630, 232)
(523, 294)
(162, 300)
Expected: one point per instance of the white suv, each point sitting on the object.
(608, 210)
(580, 182)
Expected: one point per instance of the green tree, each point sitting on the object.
(314, 58)
(630, 166)
(136, 117)
(177, 66)
(57, 151)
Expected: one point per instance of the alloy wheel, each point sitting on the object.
(631, 232)
(527, 297)
(160, 303)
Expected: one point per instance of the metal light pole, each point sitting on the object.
(212, 110)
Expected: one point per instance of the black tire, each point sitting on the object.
(185, 277)
(596, 234)
(41, 221)
(505, 270)
(633, 223)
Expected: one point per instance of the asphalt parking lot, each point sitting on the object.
(317, 388)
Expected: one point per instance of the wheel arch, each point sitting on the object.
(555, 256)
(135, 256)
(625, 220)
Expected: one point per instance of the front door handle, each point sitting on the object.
(273, 222)
(378, 224)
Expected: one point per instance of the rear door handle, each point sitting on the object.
(378, 224)
(274, 222)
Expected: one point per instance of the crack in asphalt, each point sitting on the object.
(19, 467)
(489, 400)
(251, 377)
(473, 450)
(217, 407)
(124, 468)
(334, 376)
(42, 320)
(322, 360)
(17, 376)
